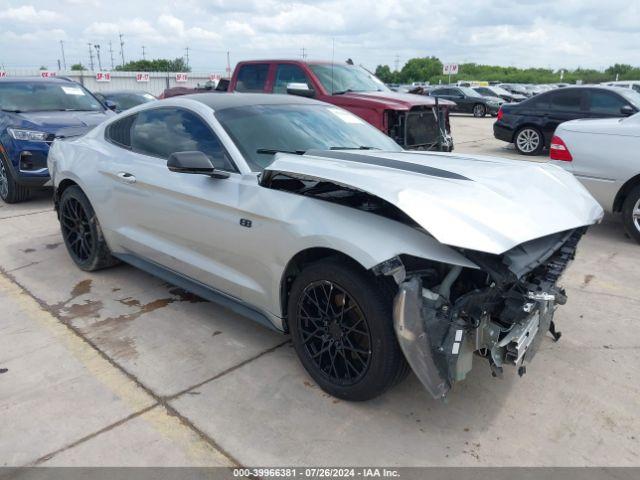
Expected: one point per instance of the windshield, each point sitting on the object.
(469, 92)
(125, 101)
(297, 128)
(347, 78)
(499, 90)
(41, 96)
(631, 96)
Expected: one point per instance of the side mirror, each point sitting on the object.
(110, 104)
(196, 163)
(627, 110)
(300, 89)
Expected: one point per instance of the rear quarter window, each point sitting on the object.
(119, 132)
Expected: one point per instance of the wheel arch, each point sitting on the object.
(62, 186)
(621, 196)
(297, 263)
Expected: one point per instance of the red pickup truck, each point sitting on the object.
(413, 121)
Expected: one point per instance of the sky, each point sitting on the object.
(522, 33)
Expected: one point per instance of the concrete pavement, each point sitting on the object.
(119, 368)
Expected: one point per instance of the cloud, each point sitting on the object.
(546, 33)
(28, 14)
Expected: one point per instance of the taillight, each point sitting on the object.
(558, 150)
(500, 114)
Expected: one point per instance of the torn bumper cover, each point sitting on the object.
(440, 330)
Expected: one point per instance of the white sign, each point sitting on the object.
(47, 74)
(450, 69)
(103, 76)
(142, 77)
(181, 77)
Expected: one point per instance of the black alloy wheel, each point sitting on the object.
(81, 231)
(334, 332)
(76, 230)
(341, 323)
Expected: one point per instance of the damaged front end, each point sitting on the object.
(445, 315)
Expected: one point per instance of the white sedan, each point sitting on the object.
(604, 155)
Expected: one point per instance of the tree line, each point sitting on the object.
(429, 69)
(157, 65)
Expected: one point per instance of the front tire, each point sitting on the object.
(479, 110)
(631, 214)
(82, 233)
(529, 141)
(342, 330)
(10, 190)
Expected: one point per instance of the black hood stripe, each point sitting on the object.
(386, 162)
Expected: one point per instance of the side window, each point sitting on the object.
(120, 132)
(287, 73)
(252, 77)
(159, 132)
(540, 102)
(605, 102)
(568, 101)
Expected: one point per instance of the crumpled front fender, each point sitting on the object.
(414, 339)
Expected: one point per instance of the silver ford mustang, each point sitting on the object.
(305, 218)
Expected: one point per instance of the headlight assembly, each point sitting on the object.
(27, 135)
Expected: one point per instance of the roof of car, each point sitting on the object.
(35, 79)
(119, 92)
(222, 100)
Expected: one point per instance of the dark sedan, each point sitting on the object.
(495, 91)
(530, 124)
(467, 100)
(124, 99)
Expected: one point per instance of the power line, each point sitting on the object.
(111, 54)
(64, 61)
(97, 47)
(121, 48)
(90, 56)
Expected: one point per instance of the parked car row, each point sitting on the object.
(530, 124)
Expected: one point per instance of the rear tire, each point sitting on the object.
(342, 330)
(10, 190)
(82, 233)
(528, 141)
(479, 110)
(631, 214)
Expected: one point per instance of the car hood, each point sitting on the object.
(66, 124)
(392, 100)
(478, 203)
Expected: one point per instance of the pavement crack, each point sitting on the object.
(26, 214)
(122, 421)
(225, 372)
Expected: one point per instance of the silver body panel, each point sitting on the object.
(190, 224)
(605, 154)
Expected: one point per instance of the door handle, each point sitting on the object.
(125, 177)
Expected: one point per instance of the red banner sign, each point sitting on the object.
(103, 76)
